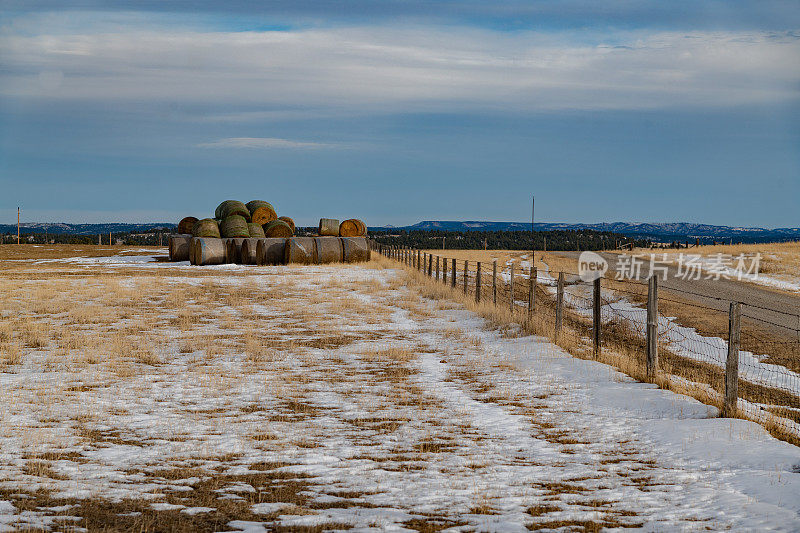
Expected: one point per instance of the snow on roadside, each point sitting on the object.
(712, 266)
(683, 341)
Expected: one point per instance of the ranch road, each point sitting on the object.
(781, 310)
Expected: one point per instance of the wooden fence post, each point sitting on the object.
(444, 270)
(732, 364)
(596, 318)
(531, 285)
(511, 285)
(437, 268)
(466, 275)
(559, 303)
(430, 265)
(453, 280)
(494, 282)
(652, 327)
(478, 283)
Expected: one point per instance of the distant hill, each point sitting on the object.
(658, 231)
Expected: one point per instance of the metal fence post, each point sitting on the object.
(559, 303)
(596, 318)
(478, 283)
(652, 327)
(732, 364)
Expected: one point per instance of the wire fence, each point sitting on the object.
(728, 356)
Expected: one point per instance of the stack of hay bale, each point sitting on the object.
(253, 234)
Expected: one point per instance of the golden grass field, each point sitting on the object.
(156, 397)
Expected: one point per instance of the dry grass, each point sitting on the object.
(623, 348)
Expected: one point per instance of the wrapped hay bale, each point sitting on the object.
(234, 226)
(356, 249)
(256, 231)
(207, 251)
(179, 247)
(328, 227)
(352, 228)
(186, 224)
(290, 222)
(206, 227)
(249, 251)
(329, 249)
(233, 250)
(278, 228)
(271, 251)
(301, 250)
(229, 208)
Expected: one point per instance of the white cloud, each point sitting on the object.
(263, 142)
(397, 69)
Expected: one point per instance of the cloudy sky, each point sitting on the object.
(400, 111)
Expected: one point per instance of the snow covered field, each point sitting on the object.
(257, 398)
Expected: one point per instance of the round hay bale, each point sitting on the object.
(206, 227)
(249, 251)
(262, 215)
(355, 249)
(352, 228)
(329, 249)
(363, 227)
(278, 228)
(271, 251)
(328, 227)
(191, 250)
(234, 226)
(232, 207)
(233, 250)
(252, 205)
(179, 247)
(290, 222)
(256, 231)
(208, 251)
(186, 224)
(301, 250)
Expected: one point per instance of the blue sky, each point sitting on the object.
(397, 112)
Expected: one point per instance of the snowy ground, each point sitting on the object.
(251, 398)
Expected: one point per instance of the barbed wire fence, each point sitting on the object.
(746, 365)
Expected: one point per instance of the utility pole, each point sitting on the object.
(17, 224)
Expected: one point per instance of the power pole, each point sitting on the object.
(17, 224)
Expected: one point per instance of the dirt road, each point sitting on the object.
(775, 311)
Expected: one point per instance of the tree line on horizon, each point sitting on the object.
(507, 240)
(423, 239)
